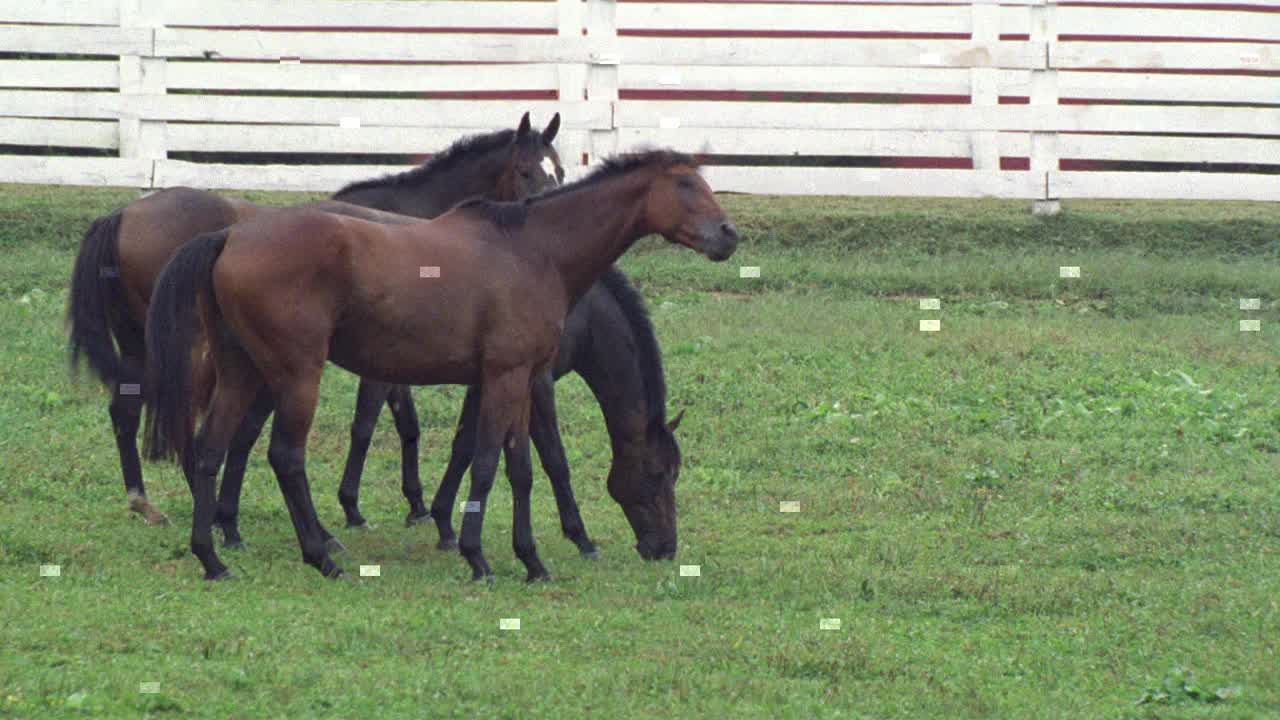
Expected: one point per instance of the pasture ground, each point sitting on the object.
(1063, 504)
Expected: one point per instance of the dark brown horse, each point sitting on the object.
(122, 254)
(476, 297)
(609, 341)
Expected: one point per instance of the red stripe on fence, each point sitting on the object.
(1239, 7)
(791, 34)
(1181, 71)
(1164, 103)
(1159, 38)
(792, 96)
(927, 163)
(374, 28)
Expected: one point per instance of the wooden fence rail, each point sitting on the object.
(1018, 98)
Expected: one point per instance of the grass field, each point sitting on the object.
(1063, 504)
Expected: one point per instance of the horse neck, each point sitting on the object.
(614, 376)
(615, 380)
(585, 230)
(436, 192)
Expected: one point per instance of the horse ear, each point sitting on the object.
(553, 127)
(524, 126)
(675, 422)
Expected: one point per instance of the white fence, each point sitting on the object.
(1024, 99)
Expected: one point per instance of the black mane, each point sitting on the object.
(620, 165)
(648, 354)
(441, 162)
(513, 213)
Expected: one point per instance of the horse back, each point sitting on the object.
(283, 278)
(154, 227)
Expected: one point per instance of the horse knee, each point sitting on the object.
(362, 430)
(484, 464)
(408, 429)
(125, 413)
(252, 427)
(207, 461)
(285, 459)
(464, 445)
(520, 476)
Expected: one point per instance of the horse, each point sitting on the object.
(609, 341)
(280, 294)
(122, 254)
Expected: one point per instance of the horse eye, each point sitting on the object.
(684, 183)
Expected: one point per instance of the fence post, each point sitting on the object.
(602, 73)
(984, 91)
(141, 75)
(571, 142)
(1044, 98)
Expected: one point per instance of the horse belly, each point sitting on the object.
(385, 355)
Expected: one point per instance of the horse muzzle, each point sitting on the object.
(650, 549)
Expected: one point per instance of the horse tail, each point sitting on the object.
(97, 313)
(172, 323)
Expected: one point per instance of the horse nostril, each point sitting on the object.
(728, 229)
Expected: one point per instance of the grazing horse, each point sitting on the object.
(122, 254)
(283, 292)
(609, 341)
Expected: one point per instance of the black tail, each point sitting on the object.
(97, 313)
(172, 322)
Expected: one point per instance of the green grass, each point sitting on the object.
(1064, 504)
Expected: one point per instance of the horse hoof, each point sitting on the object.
(224, 575)
(149, 513)
(334, 545)
(539, 578)
(362, 525)
(486, 579)
(233, 544)
(410, 520)
(590, 554)
(447, 544)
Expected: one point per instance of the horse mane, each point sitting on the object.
(648, 353)
(617, 165)
(514, 212)
(508, 214)
(441, 162)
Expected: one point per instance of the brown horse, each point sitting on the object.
(475, 297)
(122, 254)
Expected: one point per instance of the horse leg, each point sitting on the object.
(228, 512)
(464, 446)
(295, 410)
(545, 430)
(401, 404)
(503, 413)
(126, 415)
(232, 396)
(369, 399)
(520, 475)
